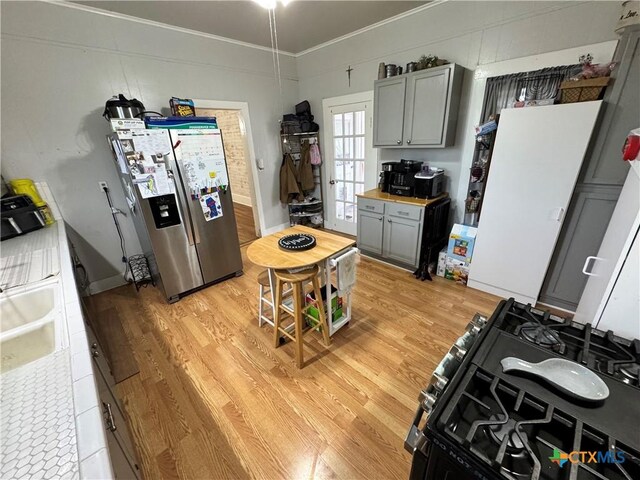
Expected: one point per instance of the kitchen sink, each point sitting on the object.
(31, 321)
(28, 306)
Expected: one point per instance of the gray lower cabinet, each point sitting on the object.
(587, 220)
(392, 231)
(401, 239)
(600, 181)
(121, 450)
(370, 228)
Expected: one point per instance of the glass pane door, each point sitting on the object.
(349, 162)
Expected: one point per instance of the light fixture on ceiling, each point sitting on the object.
(271, 4)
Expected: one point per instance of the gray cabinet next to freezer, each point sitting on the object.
(419, 109)
(600, 182)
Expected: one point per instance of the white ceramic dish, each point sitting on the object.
(572, 378)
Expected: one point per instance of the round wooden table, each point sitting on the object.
(266, 252)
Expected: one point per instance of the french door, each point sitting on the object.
(351, 163)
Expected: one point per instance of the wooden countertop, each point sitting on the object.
(376, 194)
(266, 252)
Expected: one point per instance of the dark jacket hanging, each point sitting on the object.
(288, 179)
(305, 170)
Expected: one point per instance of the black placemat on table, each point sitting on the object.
(297, 242)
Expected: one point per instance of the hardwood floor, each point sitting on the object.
(244, 222)
(214, 399)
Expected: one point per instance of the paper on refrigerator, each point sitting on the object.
(146, 152)
(211, 206)
(201, 156)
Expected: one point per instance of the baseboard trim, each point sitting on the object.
(275, 229)
(500, 292)
(106, 284)
(373, 256)
(242, 199)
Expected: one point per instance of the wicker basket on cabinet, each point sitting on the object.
(584, 90)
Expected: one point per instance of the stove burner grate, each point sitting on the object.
(630, 373)
(515, 433)
(499, 429)
(542, 335)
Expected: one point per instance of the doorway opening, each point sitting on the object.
(233, 122)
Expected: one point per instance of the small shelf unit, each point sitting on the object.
(310, 214)
(482, 154)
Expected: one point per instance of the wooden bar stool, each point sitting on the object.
(299, 311)
(264, 300)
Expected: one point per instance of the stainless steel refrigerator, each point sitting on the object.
(179, 197)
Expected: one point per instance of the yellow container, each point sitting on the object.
(25, 186)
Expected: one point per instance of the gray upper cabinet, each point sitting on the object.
(419, 109)
(621, 114)
(389, 103)
(426, 108)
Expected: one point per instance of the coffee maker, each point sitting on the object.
(386, 175)
(403, 179)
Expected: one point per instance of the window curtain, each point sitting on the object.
(542, 84)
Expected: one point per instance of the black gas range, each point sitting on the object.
(477, 422)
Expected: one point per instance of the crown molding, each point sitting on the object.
(130, 18)
(373, 26)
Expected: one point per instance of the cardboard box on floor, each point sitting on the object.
(442, 260)
(456, 270)
(461, 242)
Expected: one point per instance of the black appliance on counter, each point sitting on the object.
(19, 216)
(429, 182)
(386, 175)
(485, 424)
(403, 179)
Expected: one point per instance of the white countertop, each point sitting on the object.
(51, 418)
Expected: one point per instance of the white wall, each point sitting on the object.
(467, 33)
(59, 66)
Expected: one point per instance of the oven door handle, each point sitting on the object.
(416, 439)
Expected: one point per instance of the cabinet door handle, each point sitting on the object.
(380, 218)
(369, 207)
(15, 226)
(389, 220)
(111, 424)
(95, 353)
(403, 213)
(38, 217)
(399, 142)
(587, 263)
(408, 142)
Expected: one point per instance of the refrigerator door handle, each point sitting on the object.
(196, 232)
(184, 211)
